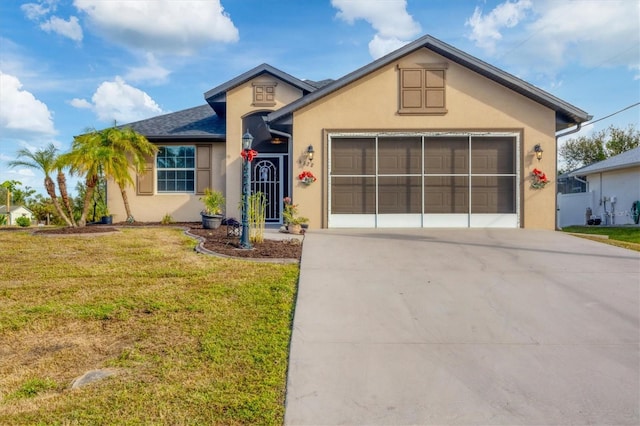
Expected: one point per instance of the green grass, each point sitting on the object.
(193, 339)
(622, 236)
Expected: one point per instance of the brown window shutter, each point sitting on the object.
(203, 168)
(423, 89)
(145, 180)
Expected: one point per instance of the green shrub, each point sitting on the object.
(23, 221)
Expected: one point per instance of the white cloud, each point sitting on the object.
(20, 111)
(554, 33)
(81, 103)
(486, 28)
(152, 71)
(161, 25)
(389, 18)
(35, 11)
(70, 29)
(116, 100)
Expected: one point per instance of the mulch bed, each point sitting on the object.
(215, 240)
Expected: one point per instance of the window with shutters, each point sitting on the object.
(176, 166)
(423, 89)
(264, 94)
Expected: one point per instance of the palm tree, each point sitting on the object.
(131, 145)
(85, 159)
(44, 160)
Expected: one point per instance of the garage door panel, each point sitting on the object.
(493, 155)
(399, 195)
(446, 194)
(353, 156)
(399, 156)
(493, 194)
(353, 195)
(446, 155)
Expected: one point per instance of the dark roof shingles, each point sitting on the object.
(200, 121)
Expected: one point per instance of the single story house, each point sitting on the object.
(615, 187)
(426, 136)
(16, 212)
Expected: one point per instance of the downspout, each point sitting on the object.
(567, 133)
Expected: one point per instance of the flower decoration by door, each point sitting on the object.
(538, 179)
(307, 177)
(249, 154)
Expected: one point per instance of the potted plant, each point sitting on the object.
(106, 218)
(212, 213)
(291, 218)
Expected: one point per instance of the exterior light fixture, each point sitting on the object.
(310, 153)
(538, 150)
(247, 139)
(276, 141)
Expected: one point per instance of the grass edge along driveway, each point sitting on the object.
(621, 236)
(192, 339)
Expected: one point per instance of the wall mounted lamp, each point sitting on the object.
(310, 153)
(538, 150)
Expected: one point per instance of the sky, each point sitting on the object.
(70, 65)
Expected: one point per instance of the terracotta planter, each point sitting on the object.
(295, 229)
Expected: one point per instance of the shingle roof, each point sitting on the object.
(200, 122)
(626, 159)
(3, 209)
(566, 114)
(213, 94)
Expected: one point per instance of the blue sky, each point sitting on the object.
(69, 65)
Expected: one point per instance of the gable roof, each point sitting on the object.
(623, 160)
(218, 94)
(566, 114)
(200, 122)
(3, 209)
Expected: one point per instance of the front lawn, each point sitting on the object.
(192, 339)
(623, 236)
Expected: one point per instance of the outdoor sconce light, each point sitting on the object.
(538, 150)
(310, 153)
(276, 141)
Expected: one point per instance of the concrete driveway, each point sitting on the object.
(453, 327)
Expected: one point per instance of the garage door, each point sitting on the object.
(423, 180)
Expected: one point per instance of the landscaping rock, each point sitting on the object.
(90, 377)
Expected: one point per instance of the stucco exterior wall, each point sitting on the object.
(239, 105)
(621, 184)
(474, 103)
(182, 207)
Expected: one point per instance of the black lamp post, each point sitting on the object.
(247, 139)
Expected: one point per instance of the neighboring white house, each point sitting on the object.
(16, 212)
(614, 185)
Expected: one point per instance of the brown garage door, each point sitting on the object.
(423, 180)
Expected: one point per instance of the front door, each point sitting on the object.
(267, 178)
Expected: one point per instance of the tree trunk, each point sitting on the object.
(64, 194)
(125, 198)
(51, 190)
(90, 184)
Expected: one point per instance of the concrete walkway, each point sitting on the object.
(453, 327)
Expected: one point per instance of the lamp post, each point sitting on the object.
(247, 139)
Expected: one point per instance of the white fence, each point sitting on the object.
(572, 208)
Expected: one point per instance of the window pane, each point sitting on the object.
(177, 164)
(493, 194)
(399, 155)
(399, 194)
(446, 194)
(351, 195)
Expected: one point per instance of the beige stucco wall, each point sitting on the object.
(474, 103)
(239, 105)
(181, 207)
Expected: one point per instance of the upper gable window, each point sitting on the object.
(264, 94)
(423, 89)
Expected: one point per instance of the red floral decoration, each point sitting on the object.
(249, 154)
(538, 179)
(307, 177)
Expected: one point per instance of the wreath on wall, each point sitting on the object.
(538, 179)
